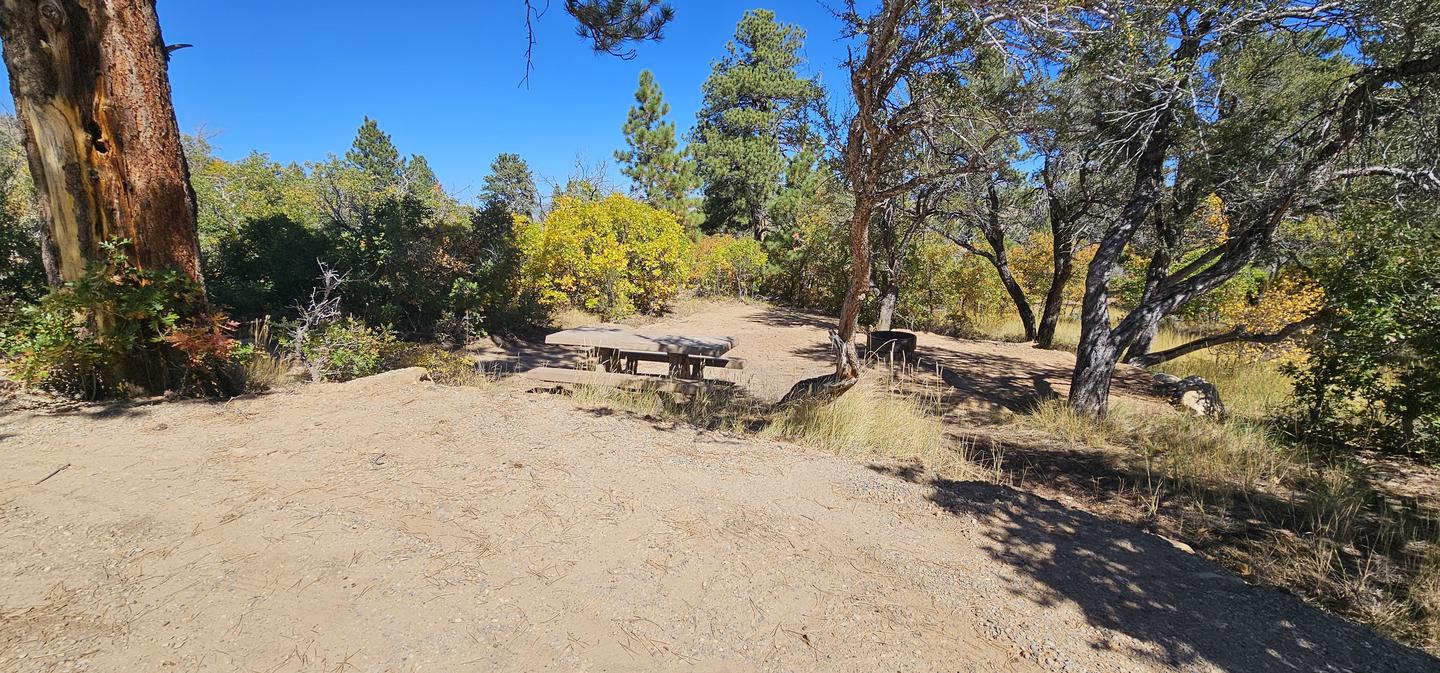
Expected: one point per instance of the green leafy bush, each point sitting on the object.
(119, 329)
(346, 349)
(1371, 375)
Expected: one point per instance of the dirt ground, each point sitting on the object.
(390, 524)
(980, 379)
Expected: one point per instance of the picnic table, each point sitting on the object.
(617, 351)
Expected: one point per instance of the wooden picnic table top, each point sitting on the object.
(619, 337)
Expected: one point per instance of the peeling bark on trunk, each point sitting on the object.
(92, 92)
(825, 389)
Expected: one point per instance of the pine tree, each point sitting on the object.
(662, 174)
(375, 155)
(420, 179)
(511, 185)
(754, 110)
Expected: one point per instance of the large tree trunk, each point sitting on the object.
(859, 267)
(91, 89)
(1095, 361)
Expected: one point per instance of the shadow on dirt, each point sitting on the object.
(1179, 609)
(775, 316)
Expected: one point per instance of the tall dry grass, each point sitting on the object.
(1278, 513)
(265, 367)
(873, 421)
(1249, 387)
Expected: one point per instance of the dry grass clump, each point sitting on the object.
(446, 367)
(871, 422)
(262, 367)
(1317, 524)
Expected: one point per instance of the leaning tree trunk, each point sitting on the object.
(1017, 295)
(92, 92)
(1140, 347)
(1063, 269)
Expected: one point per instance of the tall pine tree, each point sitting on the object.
(662, 174)
(754, 111)
(511, 186)
(374, 153)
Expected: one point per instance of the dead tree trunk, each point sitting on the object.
(92, 92)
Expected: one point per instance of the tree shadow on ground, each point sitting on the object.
(516, 355)
(776, 316)
(1016, 383)
(1174, 608)
(726, 407)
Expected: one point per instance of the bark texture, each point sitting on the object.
(92, 92)
(1063, 269)
(889, 297)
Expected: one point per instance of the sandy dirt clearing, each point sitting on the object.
(390, 524)
(981, 380)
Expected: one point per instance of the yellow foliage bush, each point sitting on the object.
(949, 290)
(611, 256)
(1033, 263)
(1286, 298)
(729, 265)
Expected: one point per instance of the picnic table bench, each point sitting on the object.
(618, 350)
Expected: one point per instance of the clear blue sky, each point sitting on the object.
(295, 78)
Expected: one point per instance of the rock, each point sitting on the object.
(1193, 393)
(1177, 544)
(406, 376)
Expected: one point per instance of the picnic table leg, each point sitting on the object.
(608, 360)
(678, 363)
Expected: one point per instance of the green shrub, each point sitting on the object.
(1371, 377)
(119, 329)
(346, 349)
